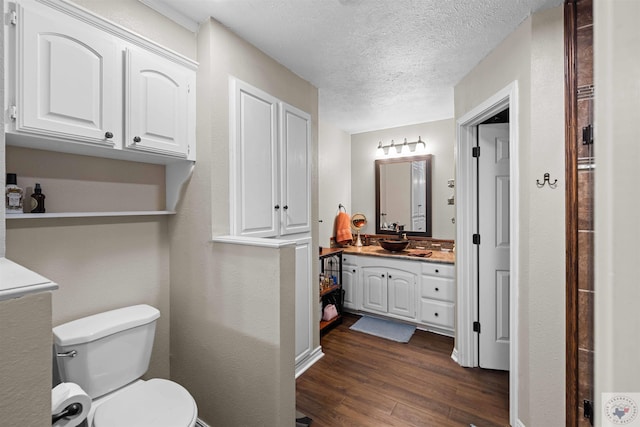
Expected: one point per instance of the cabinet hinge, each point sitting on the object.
(476, 327)
(13, 18)
(13, 112)
(476, 239)
(188, 88)
(475, 151)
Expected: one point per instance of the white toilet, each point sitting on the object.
(106, 354)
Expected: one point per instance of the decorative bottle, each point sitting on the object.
(37, 200)
(13, 195)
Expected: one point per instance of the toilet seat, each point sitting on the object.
(153, 403)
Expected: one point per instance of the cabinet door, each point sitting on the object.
(69, 78)
(295, 145)
(304, 299)
(254, 191)
(402, 299)
(350, 286)
(158, 104)
(375, 289)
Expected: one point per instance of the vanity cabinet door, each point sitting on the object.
(350, 286)
(401, 294)
(160, 101)
(374, 289)
(69, 78)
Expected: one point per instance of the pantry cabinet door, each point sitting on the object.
(254, 192)
(295, 146)
(159, 104)
(69, 78)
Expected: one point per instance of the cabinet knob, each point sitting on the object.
(389, 276)
(437, 271)
(276, 207)
(285, 207)
(437, 289)
(137, 139)
(436, 314)
(382, 275)
(108, 135)
(354, 270)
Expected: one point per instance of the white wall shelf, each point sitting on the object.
(86, 214)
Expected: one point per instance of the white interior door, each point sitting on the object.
(493, 257)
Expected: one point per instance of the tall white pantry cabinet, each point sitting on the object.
(271, 188)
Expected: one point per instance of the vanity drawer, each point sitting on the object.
(440, 288)
(437, 313)
(434, 269)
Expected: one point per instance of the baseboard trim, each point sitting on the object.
(454, 355)
(519, 423)
(200, 423)
(313, 357)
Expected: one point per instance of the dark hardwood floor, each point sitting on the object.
(367, 381)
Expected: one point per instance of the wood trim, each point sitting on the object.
(571, 212)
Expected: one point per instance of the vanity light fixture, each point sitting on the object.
(405, 149)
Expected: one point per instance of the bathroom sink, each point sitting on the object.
(394, 245)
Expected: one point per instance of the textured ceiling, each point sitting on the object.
(376, 63)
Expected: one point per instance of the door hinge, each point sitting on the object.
(475, 151)
(13, 17)
(13, 112)
(588, 410)
(476, 239)
(476, 327)
(587, 135)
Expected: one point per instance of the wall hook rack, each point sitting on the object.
(546, 180)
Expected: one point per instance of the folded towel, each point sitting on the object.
(342, 228)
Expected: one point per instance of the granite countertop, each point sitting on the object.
(446, 257)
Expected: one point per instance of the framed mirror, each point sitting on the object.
(403, 195)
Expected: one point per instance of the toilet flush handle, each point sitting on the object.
(72, 353)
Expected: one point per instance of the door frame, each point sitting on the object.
(466, 344)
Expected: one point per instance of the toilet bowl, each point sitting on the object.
(106, 355)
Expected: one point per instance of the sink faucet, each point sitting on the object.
(400, 231)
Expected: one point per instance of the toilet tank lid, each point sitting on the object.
(100, 325)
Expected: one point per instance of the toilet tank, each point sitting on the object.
(112, 349)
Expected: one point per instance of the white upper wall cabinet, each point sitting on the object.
(80, 84)
(270, 149)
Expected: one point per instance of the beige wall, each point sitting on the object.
(25, 352)
(334, 171)
(617, 322)
(440, 138)
(533, 56)
(232, 330)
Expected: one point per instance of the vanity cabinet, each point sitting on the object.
(86, 86)
(437, 296)
(417, 291)
(271, 180)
